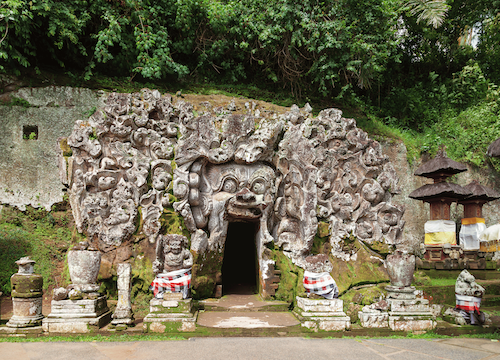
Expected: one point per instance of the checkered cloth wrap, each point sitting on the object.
(173, 281)
(468, 306)
(321, 284)
(468, 303)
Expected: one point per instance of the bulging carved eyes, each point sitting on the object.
(230, 186)
(259, 187)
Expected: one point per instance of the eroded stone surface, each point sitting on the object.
(123, 312)
(466, 285)
(284, 173)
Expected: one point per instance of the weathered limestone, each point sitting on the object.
(26, 296)
(407, 311)
(322, 314)
(83, 264)
(284, 174)
(170, 314)
(77, 316)
(79, 308)
(123, 313)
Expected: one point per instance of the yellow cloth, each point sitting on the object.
(474, 220)
(442, 237)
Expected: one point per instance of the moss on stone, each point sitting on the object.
(173, 223)
(364, 295)
(366, 269)
(206, 271)
(142, 275)
(381, 248)
(321, 242)
(291, 276)
(66, 150)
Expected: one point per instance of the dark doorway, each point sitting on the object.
(239, 268)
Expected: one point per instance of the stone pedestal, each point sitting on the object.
(322, 314)
(77, 316)
(170, 314)
(27, 312)
(26, 296)
(405, 312)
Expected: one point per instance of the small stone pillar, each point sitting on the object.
(26, 296)
(123, 315)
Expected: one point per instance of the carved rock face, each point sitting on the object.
(285, 173)
(246, 189)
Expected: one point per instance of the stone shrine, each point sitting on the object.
(402, 310)
(171, 308)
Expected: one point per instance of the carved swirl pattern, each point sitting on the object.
(294, 170)
(122, 160)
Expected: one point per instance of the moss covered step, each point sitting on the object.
(446, 294)
(453, 274)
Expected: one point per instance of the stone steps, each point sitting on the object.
(242, 303)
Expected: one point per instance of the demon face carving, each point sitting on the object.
(231, 192)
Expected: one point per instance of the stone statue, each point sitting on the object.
(172, 266)
(172, 253)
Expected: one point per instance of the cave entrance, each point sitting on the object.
(239, 267)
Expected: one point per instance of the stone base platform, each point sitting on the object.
(408, 321)
(77, 316)
(374, 319)
(322, 314)
(34, 331)
(405, 312)
(170, 315)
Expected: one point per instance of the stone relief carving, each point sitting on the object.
(286, 173)
(172, 253)
(115, 152)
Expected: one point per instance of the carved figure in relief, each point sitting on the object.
(172, 253)
(285, 173)
(172, 266)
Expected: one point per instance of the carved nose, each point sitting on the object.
(245, 195)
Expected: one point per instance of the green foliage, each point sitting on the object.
(15, 101)
(431, 12)
(315, 45)
(34, 233)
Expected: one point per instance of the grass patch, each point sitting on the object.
(44, 236)
(96, 338)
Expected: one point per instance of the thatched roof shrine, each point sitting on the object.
(440, 167)
(440, 190)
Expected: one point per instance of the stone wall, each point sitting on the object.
(29, 172)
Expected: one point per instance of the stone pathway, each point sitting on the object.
(245, 311)
(246, 320)
(259, 348)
